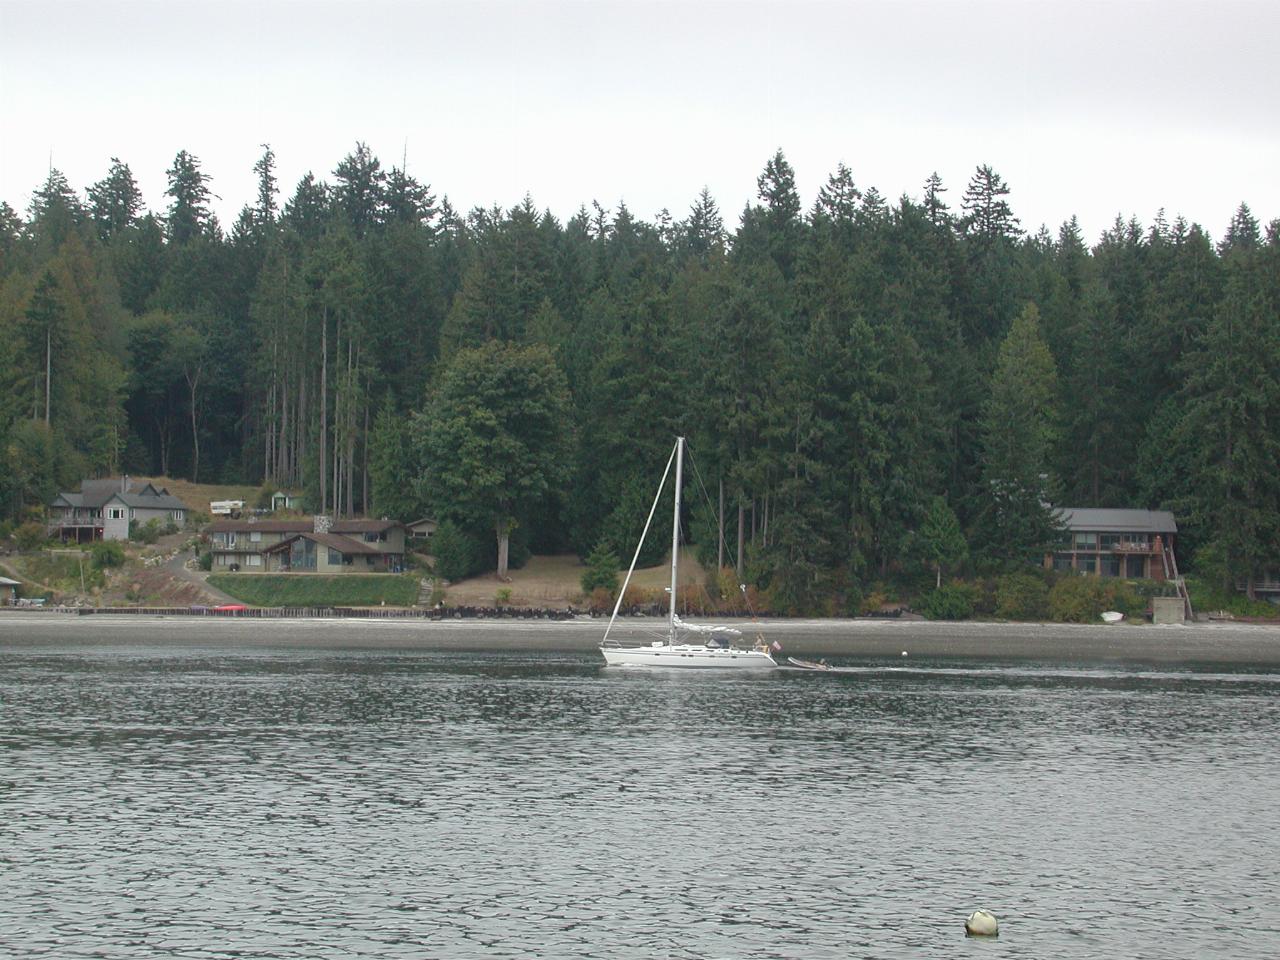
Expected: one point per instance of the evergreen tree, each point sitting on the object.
(264, 210)
(938, 212)
(1232, 414)
(941, 542)
(359, 191)
(1018, 430)
(56, 213)
(391, 466)
(115, 201)
(988, 216)
(189, 215)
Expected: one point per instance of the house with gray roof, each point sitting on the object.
(103, 509)
(1106, 542)
(312, 545)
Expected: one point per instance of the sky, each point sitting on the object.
(1085, 108)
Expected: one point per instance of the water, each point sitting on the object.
(163, 802)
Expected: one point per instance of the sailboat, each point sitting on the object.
(678, 649)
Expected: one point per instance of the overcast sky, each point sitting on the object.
(1086, 107)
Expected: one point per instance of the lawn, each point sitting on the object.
(312, 590)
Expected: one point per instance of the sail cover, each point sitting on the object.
(705, 628)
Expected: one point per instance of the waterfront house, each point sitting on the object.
(313, 545)
(239, 544)
(1105, 542)
(103, 509)
(8, 591)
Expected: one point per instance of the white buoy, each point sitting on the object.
(904, 653)
(981, 923)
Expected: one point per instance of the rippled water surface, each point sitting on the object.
(166, 802)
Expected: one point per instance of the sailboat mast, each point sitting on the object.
(675, 539)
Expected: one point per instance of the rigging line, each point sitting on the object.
(706, 497)
(623, 592)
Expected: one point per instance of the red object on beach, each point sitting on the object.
(232, 606)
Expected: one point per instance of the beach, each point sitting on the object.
(1224, 643)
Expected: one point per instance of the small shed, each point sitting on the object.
(281, 500)
(423, 529)
(8, 591)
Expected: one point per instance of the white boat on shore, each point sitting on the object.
(675, 650)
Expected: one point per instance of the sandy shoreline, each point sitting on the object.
(1214, 643)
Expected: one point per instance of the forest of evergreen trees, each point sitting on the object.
(850, 375)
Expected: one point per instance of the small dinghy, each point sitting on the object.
(1112, 616)
(809, 664)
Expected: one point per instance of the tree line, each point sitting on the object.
(852, 376)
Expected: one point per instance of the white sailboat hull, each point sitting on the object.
(687, 656)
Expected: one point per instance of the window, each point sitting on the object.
(255, 536)
(1135, 541)
(1111, 565)
(302, 555)
(1062, 561)
(335, 558)
(255, 560)
(1135, 567)
(115, 513)
(1109, 541)
(1087, 563)
(1086, 541)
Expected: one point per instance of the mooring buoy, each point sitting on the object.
(982, 923)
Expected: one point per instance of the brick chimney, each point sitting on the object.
(321, 523)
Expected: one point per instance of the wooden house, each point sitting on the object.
(314, 545)
(103, 509)
(1105, 542)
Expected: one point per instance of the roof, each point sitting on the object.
(94, 493)
(363, 526)
(334, 541)
(1118, 520)
(6, 582)
(165, 501)
(266, 526)
(422, 522)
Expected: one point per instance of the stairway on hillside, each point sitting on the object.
(425, 587)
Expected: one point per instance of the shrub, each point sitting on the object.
(951, 601)
(985, 596)
(1206, 595)
(148, 532)
(29, 536)
(602, 570)
(206, 560)
(1082, 599)
(1022, 596)
(107, 553)
(872, 602)
(502, 597)
(852, 600)
(457, 553)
